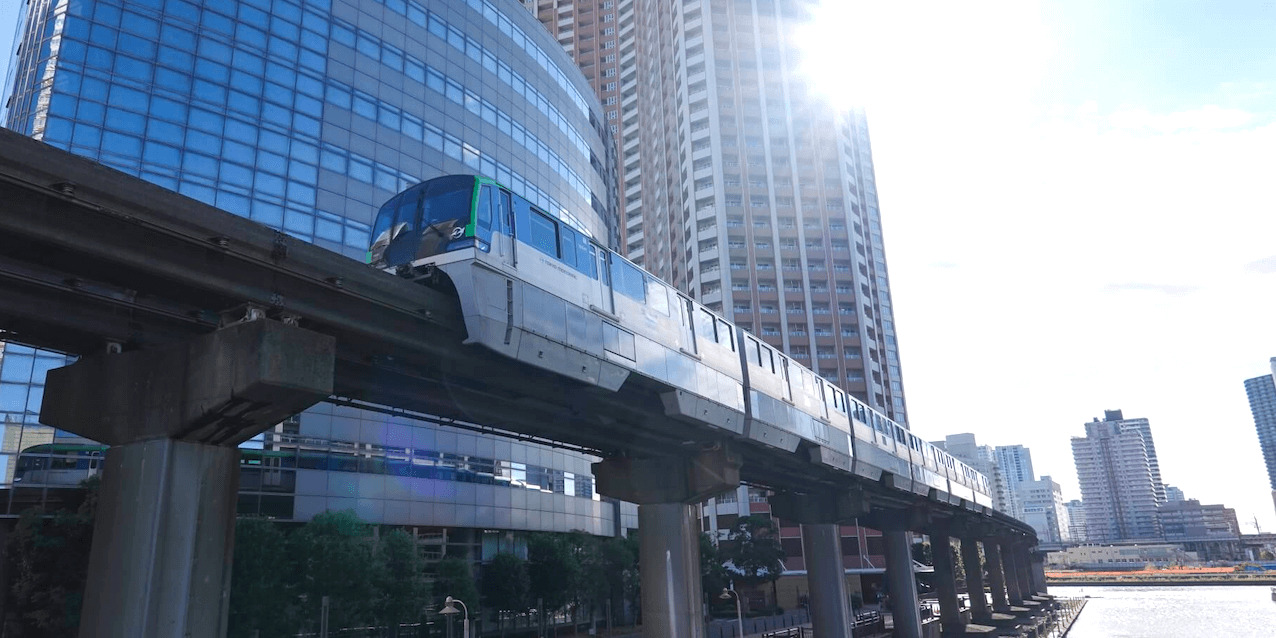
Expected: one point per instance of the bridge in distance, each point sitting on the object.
(197, 329)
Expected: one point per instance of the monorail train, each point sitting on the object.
(537, 289)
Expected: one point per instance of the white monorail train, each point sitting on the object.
(534, 288)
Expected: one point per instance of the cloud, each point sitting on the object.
(1165, 289)
(1264, 266)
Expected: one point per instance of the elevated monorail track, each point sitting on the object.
(92, 259)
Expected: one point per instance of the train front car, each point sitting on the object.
(535, 287)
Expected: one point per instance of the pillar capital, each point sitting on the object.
(673, 479)
(820, 508)
(221, 388)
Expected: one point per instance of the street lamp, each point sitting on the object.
(449, 610)
(728, 594)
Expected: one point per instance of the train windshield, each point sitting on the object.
(423, 220)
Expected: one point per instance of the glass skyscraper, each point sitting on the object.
(306, 116)
(1262, 402)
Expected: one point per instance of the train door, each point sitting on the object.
(605, 301)
(687, 332)
(503, 230)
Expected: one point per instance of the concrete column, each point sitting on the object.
(1022, 562)
(996, 577)
(902, 583)
(946, 583)
(826, 579)
(669, 555)
(1039, 572)
(669, 536)
(162, 542)
(160, 564)
(1010, 561)
(979, 611)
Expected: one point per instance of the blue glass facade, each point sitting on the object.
(306, 116)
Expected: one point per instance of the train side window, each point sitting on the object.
(505, 212)
(754, 350)
(483, 214)
(705, 325)
(899, 434)
(542, 233)
(726, 332)
(627, 280)
(567, 245)
(586, 257)
(658, 296)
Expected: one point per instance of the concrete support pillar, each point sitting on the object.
(826, 579)
(979, 611)
(1039, 572)
(820, 515)
(163, 540)
(669, 556)
(669, 540)
(996, 577)
(1010, 561)
(1024, 568)
(946, 583)
(902, 583)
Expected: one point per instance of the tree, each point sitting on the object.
(402, 582)
(755, 551)
(49, 560)
(620, 571)
(453, 578)
(552, 569)
(713, 574)
(259, 581)
(505, 586)
(332, 556)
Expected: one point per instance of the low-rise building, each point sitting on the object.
(1211, 531)
(1128, 556)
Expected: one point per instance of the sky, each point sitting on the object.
(1077, 214)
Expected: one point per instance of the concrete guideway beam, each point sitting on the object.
(996, 576)
(163, 540)
(979, 611)
(669, 540)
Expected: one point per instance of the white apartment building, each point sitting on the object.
(1119, 488)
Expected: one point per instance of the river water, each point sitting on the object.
(1241, 611)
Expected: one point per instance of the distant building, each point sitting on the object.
(1076, 521)
(1211, 531)
(1043, 508)
(1015, 462)
(1262, 402)
(1131, 556)
(1120, 485)
(981, 458)
(1174, 494)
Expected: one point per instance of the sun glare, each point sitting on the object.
(887, 54)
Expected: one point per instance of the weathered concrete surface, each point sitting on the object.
(221, 388)
(163, 540)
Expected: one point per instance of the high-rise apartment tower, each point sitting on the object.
(1118, 487)
(742, 187)
(1262, 402)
